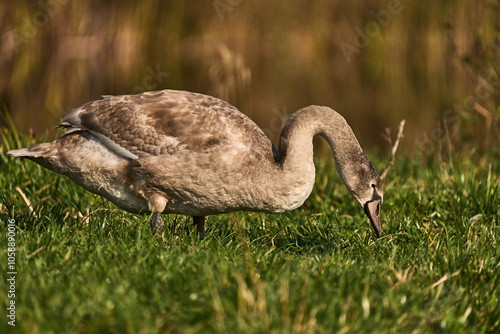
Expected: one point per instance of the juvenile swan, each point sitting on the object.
(179, 152)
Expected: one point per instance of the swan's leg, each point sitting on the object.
(199, 222)
(156, 223)
(157, 204)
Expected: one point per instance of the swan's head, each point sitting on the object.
(364, 184)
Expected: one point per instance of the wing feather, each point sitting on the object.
(164, 122)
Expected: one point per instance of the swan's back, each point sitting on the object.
(167, 122)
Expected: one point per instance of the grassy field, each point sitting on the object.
(84, 266)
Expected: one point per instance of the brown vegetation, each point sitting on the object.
(434, 63)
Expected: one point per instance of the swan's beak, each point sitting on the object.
(372, 210)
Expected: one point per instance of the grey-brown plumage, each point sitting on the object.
(180, 152)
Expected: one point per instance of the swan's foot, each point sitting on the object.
(199, 222)
(156, 223)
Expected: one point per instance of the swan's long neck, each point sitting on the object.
(295, 150)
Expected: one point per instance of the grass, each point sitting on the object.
(84, 266)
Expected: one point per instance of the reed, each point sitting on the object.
(376, 62)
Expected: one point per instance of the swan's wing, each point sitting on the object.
(163, 122)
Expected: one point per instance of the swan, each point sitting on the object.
(180, 152)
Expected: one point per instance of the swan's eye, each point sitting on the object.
(373, 185)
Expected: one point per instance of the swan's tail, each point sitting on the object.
(43, 150)
(44, 154)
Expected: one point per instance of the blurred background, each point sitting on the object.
(434, 63)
